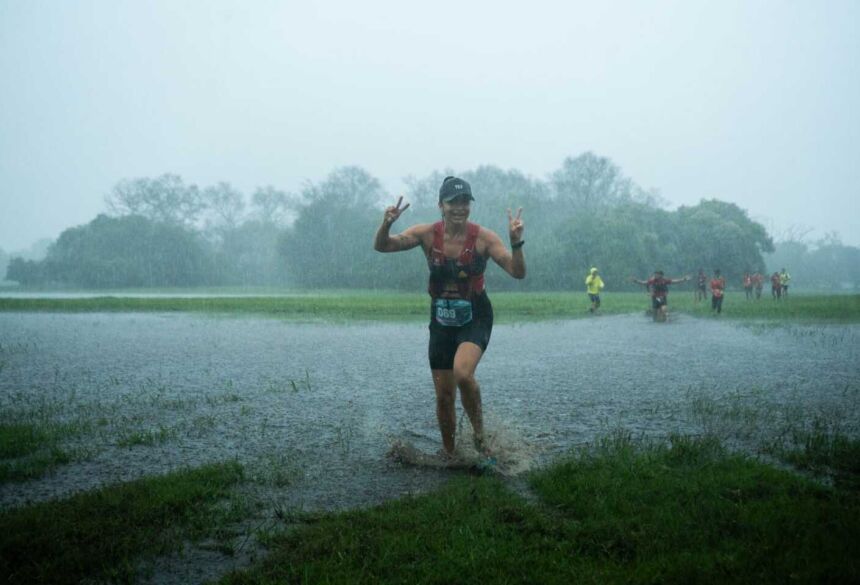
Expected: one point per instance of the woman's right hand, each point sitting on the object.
(392, 212)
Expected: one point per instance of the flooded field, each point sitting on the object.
(312, 409)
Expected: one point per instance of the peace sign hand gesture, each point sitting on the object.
(515, 226)
(392, 212)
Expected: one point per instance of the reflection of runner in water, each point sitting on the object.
(718, 287)
(593, 283)
(461, 318)
(659, 287)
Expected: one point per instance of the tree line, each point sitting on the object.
(161, 232)
(823, 264)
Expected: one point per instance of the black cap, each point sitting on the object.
(453, 187)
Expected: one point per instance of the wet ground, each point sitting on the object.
(311, 409)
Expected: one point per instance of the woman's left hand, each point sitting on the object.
(515, 226)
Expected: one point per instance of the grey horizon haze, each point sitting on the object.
(755, 103)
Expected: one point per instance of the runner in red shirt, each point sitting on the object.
(775, 286)
(748, 285)
(461, 317)
(659, 287)
(718, 287)
(758, 283)
(701, 293)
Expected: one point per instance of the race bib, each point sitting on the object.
(452, 312)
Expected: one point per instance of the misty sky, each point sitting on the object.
(754, 102)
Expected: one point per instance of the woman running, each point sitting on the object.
(461, 316)
(718, 288)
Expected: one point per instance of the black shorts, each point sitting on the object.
(444, 341)
(658, 302)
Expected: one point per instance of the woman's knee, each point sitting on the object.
(464, 377)
(465, 364)
(445, 400)
(446, 389)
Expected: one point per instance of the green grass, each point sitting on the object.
(820, 439)
(620, 512)
(382, 306)
(147, 437)
(797, 307)
(822, 450)
(103, 536)
(818, 448)
(18, 440)
(34, 465)
(28, 451)
(689, 511)
(509, 306)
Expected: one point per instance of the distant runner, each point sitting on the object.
(461, 316)
(718, 286)
(775, 286)
(784, 279)
(758, 283)
(748, 285)
(659, 287)
(593, 283)
(701, 286)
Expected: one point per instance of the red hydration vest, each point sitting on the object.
(659, 286)
(466, 271)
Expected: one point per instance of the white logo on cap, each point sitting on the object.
(458, 186)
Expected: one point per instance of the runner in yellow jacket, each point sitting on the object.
(593, 283)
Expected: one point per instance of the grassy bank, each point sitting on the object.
(618, 511)
(615, 513)
(104, 536)
(372, 305)
(815, 308)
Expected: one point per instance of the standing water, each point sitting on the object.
(145, 394)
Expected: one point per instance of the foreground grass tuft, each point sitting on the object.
(824, 452)
(28, 451)
(20, 439)
(103, 535)
(619, 512)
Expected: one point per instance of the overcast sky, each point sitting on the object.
(754, 102)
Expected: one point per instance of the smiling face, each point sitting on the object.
(456, 210)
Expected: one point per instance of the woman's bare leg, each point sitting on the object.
(446, 415)
(465, 362)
